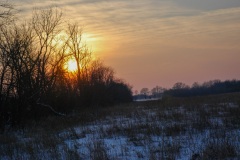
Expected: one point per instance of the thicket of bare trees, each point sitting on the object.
(180, 89)
(33, 76)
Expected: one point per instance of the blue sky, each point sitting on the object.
(157, 42)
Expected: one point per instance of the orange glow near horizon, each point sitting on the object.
(85, 39)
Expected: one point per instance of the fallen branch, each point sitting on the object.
(51, 108)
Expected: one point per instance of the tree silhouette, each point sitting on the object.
(34, 81)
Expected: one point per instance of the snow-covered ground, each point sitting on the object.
(147, 99)
(154, 130)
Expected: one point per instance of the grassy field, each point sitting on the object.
(206, 127)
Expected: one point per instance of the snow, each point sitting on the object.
(136, 136)
(147, 99)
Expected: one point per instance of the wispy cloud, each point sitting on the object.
(142, 17)
(142, 21)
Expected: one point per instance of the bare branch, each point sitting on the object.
(6, 10)
(51, 108)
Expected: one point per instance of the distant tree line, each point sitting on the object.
(210, 87)
(34, 80)
(180, 89)
(145, 93)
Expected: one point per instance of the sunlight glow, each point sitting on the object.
(87, 37)
(71, 65)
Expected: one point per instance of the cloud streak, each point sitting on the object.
(123, 18)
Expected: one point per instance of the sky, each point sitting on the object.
(157, 42)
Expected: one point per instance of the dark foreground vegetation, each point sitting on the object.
(34, 76)
(205, 127)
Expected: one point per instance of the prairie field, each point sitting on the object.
(206, 127)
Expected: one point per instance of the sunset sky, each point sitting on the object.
(157, 42)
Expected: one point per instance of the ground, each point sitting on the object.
(204, 127)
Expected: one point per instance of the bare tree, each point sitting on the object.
(6, 9)
(33, 76)
(144, 91)
(157, 91)
(196, 85)
(30, 60)
(78, 51)
(180, 85)
(5, 16)
(46, 27)
(6, 13)
(100, 74)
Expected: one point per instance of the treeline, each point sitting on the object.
(34, 79)
(207, 88)
(145, 93)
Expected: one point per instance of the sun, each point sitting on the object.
(71, 65)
